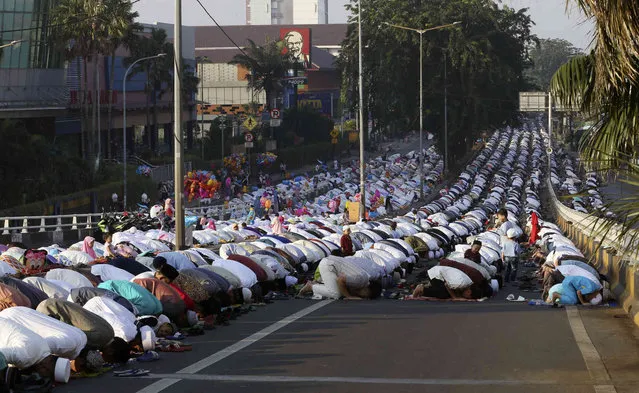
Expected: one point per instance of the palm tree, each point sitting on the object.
(120, 30)
(267, 67)
(158, 71)
(605, 84)
(76, 30)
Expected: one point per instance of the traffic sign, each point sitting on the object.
(334, 141)
(276, 122)
(248, 137)
(248, 144)
(275, 113)
(250, 123)
(334, 133)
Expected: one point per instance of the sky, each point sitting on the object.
(550, 16)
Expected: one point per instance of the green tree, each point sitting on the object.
(267, 67)
(604, 85)
(157, 71)
(547, 56)
(77, 31)
(121, 30)
(45, 162)
(481, 62)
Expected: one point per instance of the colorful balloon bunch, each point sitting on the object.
(235, 163)
(143, 170)
(265, 159)
(200, 185)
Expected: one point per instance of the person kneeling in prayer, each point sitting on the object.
(575, 290)
(342, 279)
(447, 283)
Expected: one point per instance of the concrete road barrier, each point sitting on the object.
(605, 253)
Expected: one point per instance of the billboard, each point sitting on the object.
(533, 101)
(298, 44)
(320, 102)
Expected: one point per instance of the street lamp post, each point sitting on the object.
(362, 164)
(202, 60)
(12, 43)
(421, 100)
(124, 115)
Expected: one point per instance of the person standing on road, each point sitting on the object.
(510, 251)
(276, 225)
(389, 205)
(250, 217)
(346, 243)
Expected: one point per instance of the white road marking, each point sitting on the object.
(162, 384)
(376, 381)
(595, 365)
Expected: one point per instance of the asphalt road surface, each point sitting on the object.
(400, 346)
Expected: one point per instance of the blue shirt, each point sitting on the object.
(509, 248)
(572, 284)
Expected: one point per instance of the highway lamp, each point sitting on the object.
(12, 43)
(421, 100)
(202, 60)
(362, 164)
(124, 158)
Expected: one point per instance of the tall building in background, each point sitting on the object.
(286, 12)
(32, 73)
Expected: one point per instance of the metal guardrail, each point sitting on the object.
(35, 224)
(27, 224)
(235, 210)
(592, 226)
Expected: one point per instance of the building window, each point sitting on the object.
(27, 20)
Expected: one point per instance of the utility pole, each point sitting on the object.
(177, 127)
(549, 126)
(362, 164)
(421, 101)
(202, 104)
(445, 112)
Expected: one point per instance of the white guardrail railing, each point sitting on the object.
(593, 227)
(34, 224)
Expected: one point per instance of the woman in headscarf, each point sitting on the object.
(276, 225)
(250, 217)
(211, 225)
(168, 208)
(87, 246)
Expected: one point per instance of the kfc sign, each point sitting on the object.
(298, 44)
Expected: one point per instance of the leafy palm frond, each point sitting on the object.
(574, 84)
(614, 111)
(616, 40)
(267, 66)
(623, 230)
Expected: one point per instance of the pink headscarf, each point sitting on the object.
(168, 208)
(86, 247)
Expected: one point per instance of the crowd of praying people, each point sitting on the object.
(94, 306)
